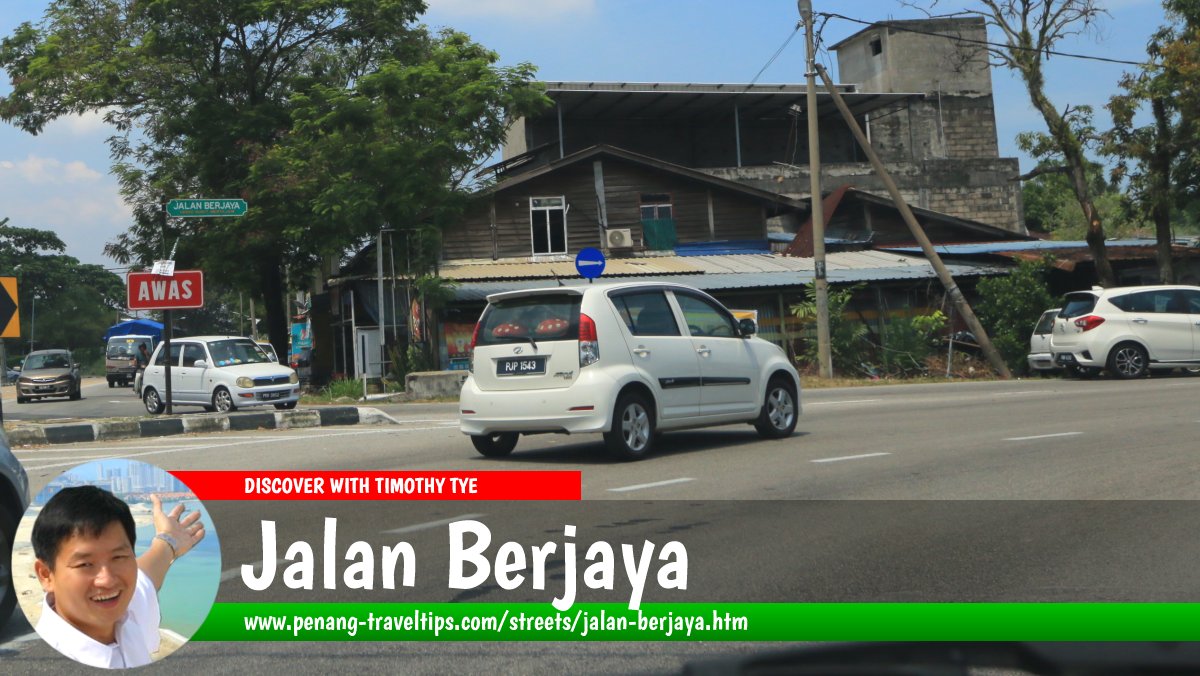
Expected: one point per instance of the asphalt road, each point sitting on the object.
(99, 401)
(1018, 491)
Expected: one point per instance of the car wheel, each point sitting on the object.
(495, 445)
(1191, 370)
(111, 383)
(21, 400)
(632, 432)
(778, 417)
(222, 401)
(1128, 360)
(154, 403)
(77, 393)
(8, 594)
(287, 405)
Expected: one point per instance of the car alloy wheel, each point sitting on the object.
(154, 403)
(1128, 361)
(778, 417)
(632, 432)
(495, 445)
(223, 401)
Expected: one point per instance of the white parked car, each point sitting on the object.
(1040, 358)
(1128, 330)
(628, 360)
(220, 373)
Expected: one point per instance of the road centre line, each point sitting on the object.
(233, 573)
(851, 457)
(830, 403)
(1045, 436)
(656, 484)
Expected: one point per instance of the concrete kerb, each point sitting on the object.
(108, 430)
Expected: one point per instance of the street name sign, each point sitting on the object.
(206, 208)
(182, 291)
(10, 319)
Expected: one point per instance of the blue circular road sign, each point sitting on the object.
(590, 262)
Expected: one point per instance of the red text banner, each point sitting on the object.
(383, 485)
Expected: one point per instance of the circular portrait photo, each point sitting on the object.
(116, 563)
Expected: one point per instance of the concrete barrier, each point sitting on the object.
(434, 384)
(108, 430)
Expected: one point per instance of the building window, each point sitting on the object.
(658, 222)
(548, 225)
(656, 206)
(876, 47)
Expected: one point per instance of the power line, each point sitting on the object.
(997, 45)
(774, 56)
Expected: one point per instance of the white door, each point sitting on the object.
(1161, 320)
(188, 381)
(367, 355)
(660, 350)
(728, 368)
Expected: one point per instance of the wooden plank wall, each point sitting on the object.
(735, 216)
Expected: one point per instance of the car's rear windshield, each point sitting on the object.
(1077, 305)
(234, 352)
(1046, 323)
(537, 318)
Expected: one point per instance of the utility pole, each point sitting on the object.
(935, 261)
(820, 281)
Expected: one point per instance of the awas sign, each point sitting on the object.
(181, 291)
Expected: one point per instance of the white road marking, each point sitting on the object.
(851, 457)
(234, 573)
(430, 524)
(1045, 436)
(831, 403)
(656, 484)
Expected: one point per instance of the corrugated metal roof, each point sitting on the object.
(1036, 245)
(760, 272)
(565, 267)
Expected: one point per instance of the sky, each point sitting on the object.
(60, 179)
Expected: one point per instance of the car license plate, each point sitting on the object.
(273, 395)
(521, 366)
(44, 388)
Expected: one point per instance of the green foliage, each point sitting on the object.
(330, 117)
(1009, 307)
(846, 334)
(1051, 206)
(338, 389)
(63, 303)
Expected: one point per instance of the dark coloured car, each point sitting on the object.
(49, 373)
(14, 498)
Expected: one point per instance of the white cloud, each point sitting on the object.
(35, 170)
(86, 124)
(524, 10)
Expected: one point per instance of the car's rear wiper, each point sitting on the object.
(510, 339)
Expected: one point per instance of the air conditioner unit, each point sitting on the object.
(619, 238)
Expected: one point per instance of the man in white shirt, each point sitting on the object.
(101, 603)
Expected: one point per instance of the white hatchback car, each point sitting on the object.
(1128, 330)
(627, 360)
(220, 373)
(1040, 358)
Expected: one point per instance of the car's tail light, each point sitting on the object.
(1089, 322)
(471, 353)
(589, 346)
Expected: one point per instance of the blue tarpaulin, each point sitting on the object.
(135, 327)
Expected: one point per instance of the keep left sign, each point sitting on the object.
(181, 291)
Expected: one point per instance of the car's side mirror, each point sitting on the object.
(200, 364)
(746, 327)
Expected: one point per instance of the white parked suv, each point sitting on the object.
(1128, 330)
(220, 373)
(628, 360)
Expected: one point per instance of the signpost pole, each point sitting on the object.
(167, 355)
